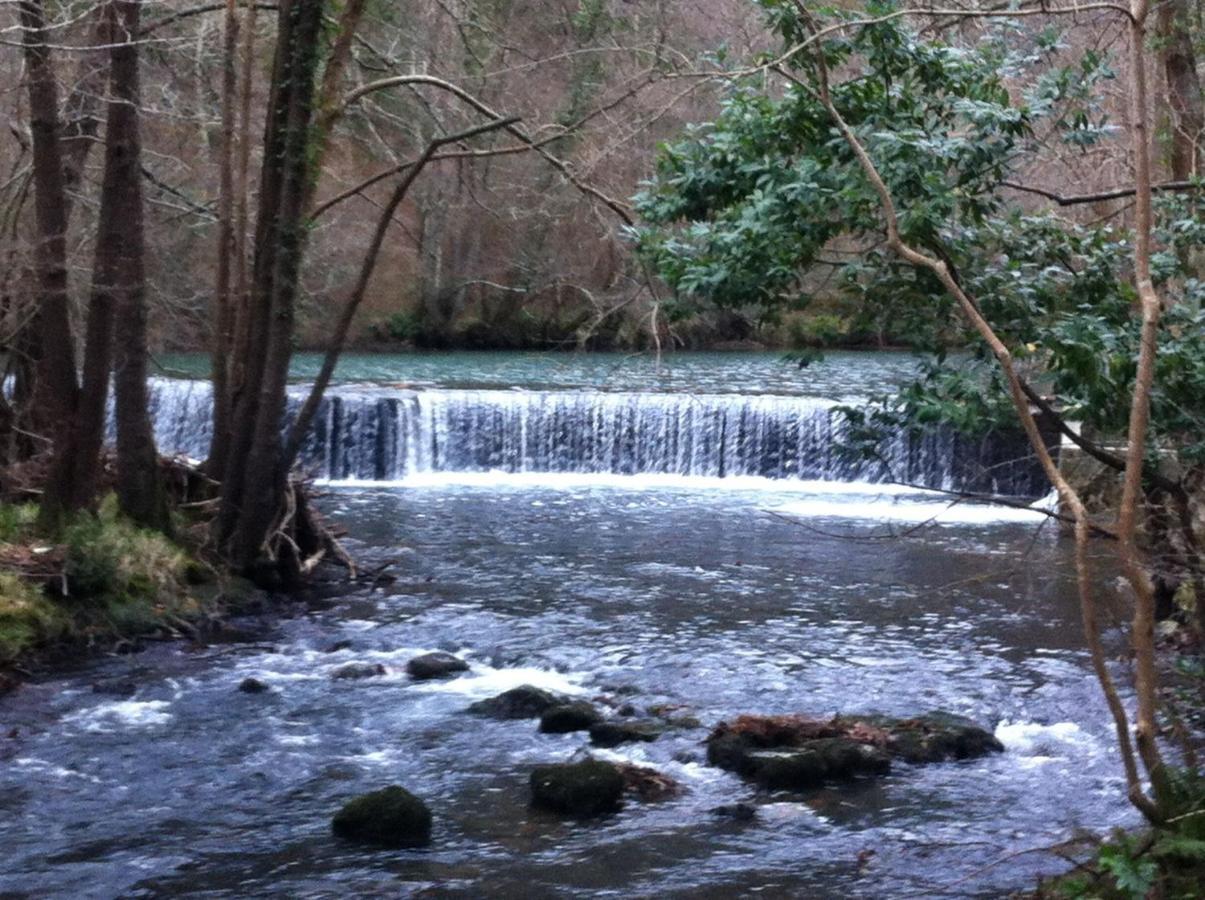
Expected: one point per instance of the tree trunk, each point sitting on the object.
(140, 489)
(241, 296)
(253, 489)
(1184, 97)
(50, 343)
(222, 341)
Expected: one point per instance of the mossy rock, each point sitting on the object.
(390, 817)
(828, 759)
(796, 752)
(567, 717)
(935, 737)
(612, 734)
(523, 702)
(588, 788)
(731, 752)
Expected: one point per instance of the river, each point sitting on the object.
(653, 577)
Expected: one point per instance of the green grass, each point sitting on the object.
(28, 618)
(121, 582)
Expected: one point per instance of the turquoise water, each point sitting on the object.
(840, 375)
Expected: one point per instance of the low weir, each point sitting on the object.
(374, 433)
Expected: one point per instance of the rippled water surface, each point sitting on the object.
(840, 375)
(819, 599)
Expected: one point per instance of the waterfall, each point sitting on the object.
(382, 434)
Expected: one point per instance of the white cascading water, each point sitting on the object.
(380, 434)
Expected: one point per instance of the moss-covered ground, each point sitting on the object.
(101, 581)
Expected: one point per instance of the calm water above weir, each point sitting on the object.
(842, 375)
(723, 596)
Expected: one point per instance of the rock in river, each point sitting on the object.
(567, 717)
(253, 686)
(524, 702)
(935, 737)
(587, 788)
(435, 665)
(358, 670)
(796, 752)
(612, 734)
(827, 759)
(390, 817)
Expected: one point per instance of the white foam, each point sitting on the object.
(647, 482)
(41, 766)
(486, 681)
(909, 511)
(1040, 744)
(122, 714)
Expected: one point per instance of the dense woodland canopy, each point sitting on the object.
(1016, 187)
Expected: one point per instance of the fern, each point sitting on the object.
(1134, 875)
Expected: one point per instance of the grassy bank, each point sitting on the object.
(100, 584)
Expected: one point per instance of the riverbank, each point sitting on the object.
(106, 586)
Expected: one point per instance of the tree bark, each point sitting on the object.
(224, 300)
(254, 485)
(1184, 98)
(241, 298)
(140, 489)
(55, 391)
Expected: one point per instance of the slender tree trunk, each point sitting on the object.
(50, 344)
(255, 483)
(1142, 630)
(223, 328)
(1143, 625)
(140, 490)
(78, 130)
(241, 300)
(1184, 97)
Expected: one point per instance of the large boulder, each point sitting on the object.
(827, 759)
(567, 717)
(587, 788)
(796, 752)
(435, 665)
(523, 702)
(935, 737)
(614, 733)
(390, 817)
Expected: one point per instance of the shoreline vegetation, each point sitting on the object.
(102, 585)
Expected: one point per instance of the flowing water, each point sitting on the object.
(649, 583)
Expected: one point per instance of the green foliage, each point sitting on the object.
(108, 557)
(743, 208)
(28, 617)
(16, 520)
(401, 326)
(1168, 862)
(1133, 874)
(120, 581)
(822, 329)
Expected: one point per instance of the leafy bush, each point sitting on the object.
(16, 520)
(404, 326)
(819, 330)
(1168, 863)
